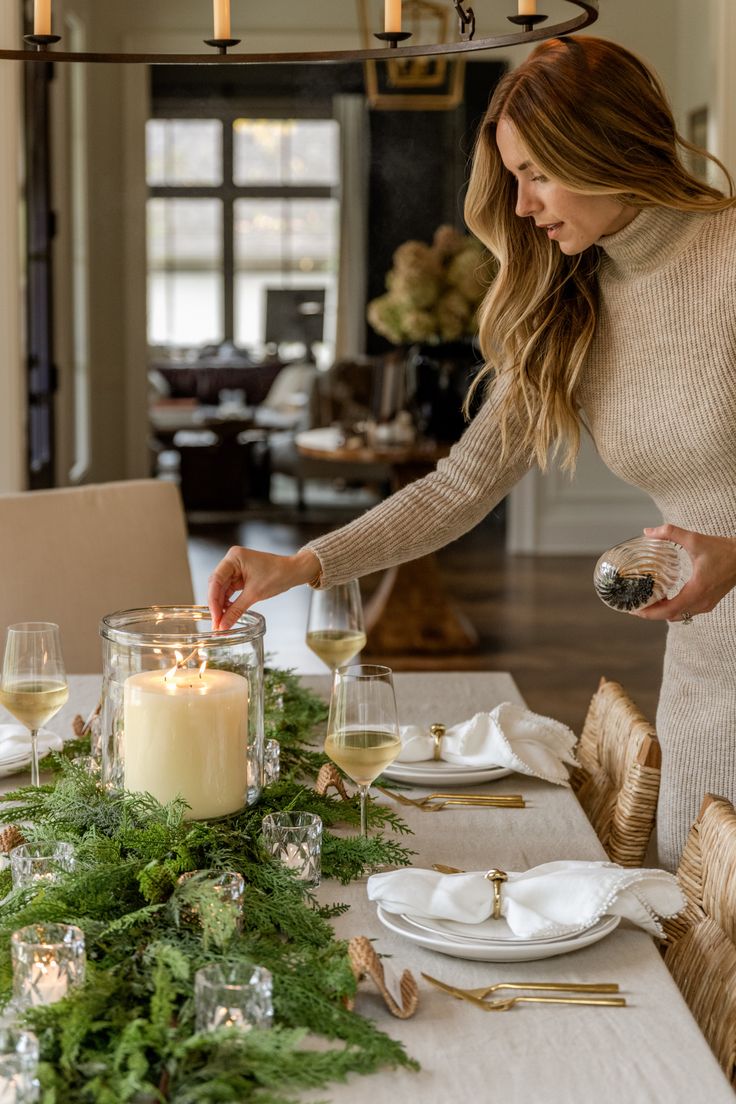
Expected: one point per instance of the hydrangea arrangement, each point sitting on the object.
(433, 291)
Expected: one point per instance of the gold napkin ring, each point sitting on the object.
(437, 731)
(496, 877)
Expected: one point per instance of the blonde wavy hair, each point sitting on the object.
(595, 119)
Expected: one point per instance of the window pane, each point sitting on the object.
(283, 243)
(184, 152)
(287, 151)
(286, 235)
(185, 281)
(185, 308)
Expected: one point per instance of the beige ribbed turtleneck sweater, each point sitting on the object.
(659, 394)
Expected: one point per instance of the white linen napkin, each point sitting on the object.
(15, 742)
(557, 898)
(508, 736)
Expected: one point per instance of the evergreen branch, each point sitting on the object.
(127, 1035)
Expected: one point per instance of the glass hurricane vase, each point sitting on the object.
(182, 712)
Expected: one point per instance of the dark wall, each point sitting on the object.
(419, 169)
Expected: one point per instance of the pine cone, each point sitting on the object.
(329, 776)
(11, 837)
(78, 725)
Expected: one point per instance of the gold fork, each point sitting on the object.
(505, 1003)
(545, 986)
(424, 805)
(501, 801)
(430, 804)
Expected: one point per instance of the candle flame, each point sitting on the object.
(202, 668)
(179, 662)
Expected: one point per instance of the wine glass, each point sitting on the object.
(33, 684)
(363, 728)
(335, 630)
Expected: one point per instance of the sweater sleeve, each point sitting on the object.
(430, 512)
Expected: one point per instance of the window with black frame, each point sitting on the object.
(239, 208)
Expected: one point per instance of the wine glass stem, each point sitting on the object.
(35, 779)
(363, 791)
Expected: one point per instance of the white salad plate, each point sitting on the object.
(432, 772)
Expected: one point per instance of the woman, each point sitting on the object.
(613, 309)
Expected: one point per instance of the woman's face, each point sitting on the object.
(575, 221)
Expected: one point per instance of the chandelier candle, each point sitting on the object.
(185, 734)
(42, 17)
(221, 9)
(392, 16)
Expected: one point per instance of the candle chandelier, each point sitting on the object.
(530, 23)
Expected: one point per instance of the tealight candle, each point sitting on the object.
(236, 994)
(228, 887)
(186, 734)
(47, 982)
(295, 839)
(48, 961)
(18, 1065)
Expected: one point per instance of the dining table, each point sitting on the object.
(651, 1050)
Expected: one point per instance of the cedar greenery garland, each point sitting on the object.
(128, 1034)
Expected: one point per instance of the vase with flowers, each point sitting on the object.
(430, 308)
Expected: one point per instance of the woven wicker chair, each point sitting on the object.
(702, 952)
(617, 782)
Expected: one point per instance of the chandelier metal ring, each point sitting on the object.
(530, 33)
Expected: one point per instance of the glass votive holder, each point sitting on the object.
(18, 1064)
(296, 840)
(48, 961)
(38, 864)
(271, 762)
(228, 886)
(237, 994)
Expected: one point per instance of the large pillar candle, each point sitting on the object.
(42, 17)
(186, 733)
(221, 11)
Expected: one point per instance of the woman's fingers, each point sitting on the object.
(713, 574)
(224, 581)
(256, 575)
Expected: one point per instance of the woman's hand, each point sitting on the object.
(256, 575)
(714, 574)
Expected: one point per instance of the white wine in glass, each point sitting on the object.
(33, 684)
(335, 630)
(363, 728)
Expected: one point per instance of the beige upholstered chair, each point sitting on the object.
(702, 953)
(72, 555)
(617, 782)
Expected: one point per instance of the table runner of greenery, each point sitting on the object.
(128, 1034)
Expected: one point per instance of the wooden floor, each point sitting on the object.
(537, 617)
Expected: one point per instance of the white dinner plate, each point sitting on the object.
(512, 950)
(432, 772)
